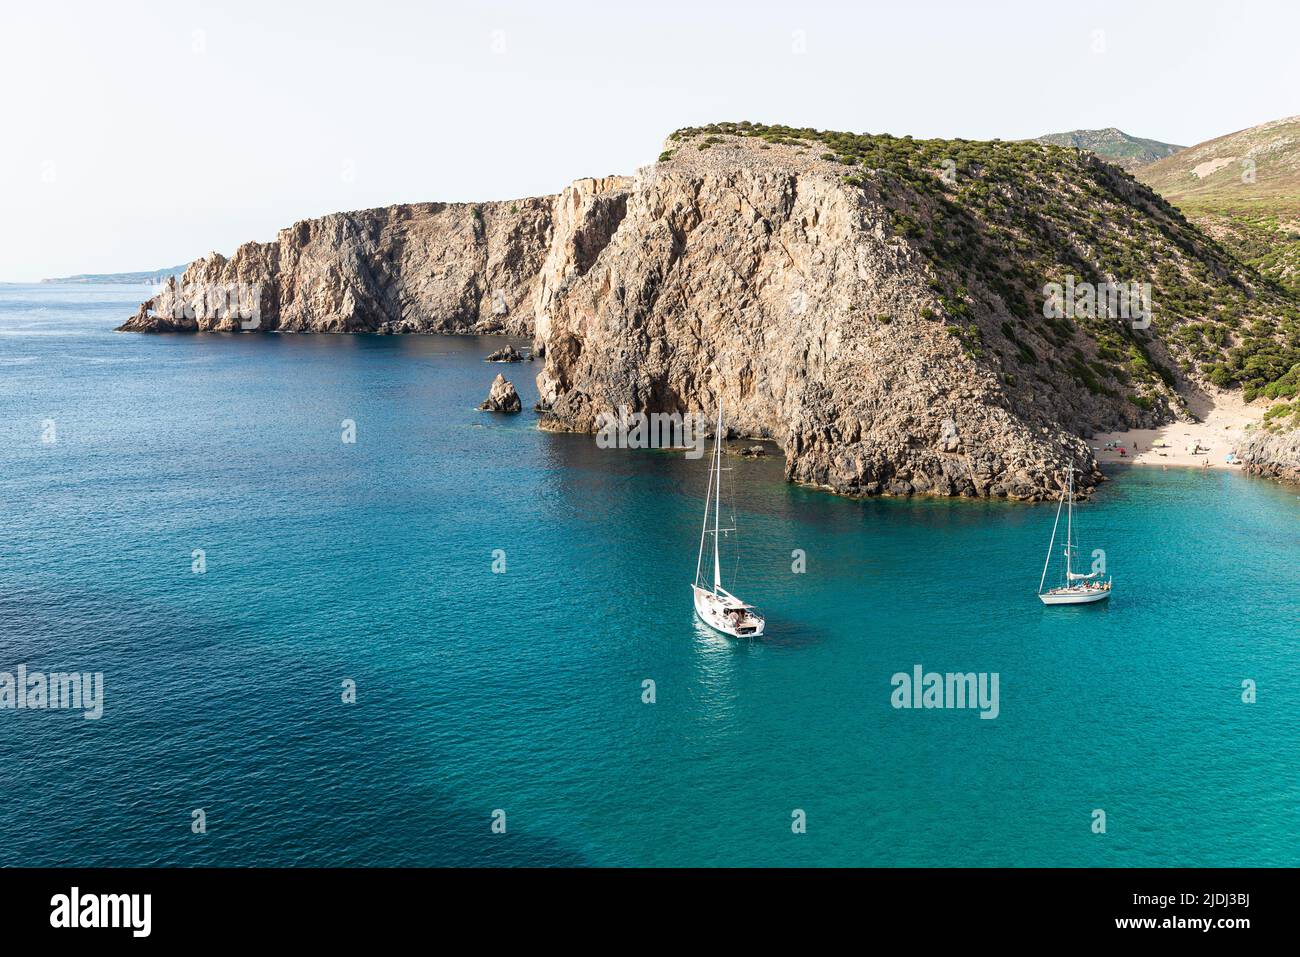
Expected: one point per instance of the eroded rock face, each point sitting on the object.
(585, 217)
(760, 286)
(502, 396)
(1272, 454)
(429, 267)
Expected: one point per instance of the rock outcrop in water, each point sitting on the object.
(506, 354)
(502, 396)
(874, 305)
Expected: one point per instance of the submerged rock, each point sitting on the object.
(502, 397)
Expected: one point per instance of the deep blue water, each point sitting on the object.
(522, 691)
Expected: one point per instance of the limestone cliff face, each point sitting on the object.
(431, 267)
(767, 290)
(1274, 454)
(583, 220)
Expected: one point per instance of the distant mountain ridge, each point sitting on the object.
(1115, 146)
(125, 278)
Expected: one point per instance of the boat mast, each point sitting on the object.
(717, 500)
(1047, 562)
(1069, 529)
(704, 527)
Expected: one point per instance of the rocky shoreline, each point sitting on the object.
(1274, 455)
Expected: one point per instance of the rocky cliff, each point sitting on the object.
(1272, 454)
(429, 267)
(769, 291)
(879, 306)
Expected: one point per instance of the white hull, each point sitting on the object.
(1095, 589)
(716, 607)
(1074, 596)
(738, 622)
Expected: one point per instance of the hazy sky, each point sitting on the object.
(140, 135)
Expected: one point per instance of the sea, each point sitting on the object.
(342, 617)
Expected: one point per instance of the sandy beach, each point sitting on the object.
(1223, 419)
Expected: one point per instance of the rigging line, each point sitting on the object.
(708, 493)
(1050, 545)
(1069, 528)
(735, 572)
(718, 454)
(735, 541)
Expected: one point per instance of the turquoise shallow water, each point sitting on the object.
(522, 690)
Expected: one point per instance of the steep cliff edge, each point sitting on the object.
(877, 306)
(429, 267)
(893, 312)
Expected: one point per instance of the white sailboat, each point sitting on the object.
(1076, 588)
(715, 606)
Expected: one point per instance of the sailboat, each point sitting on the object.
(1077, 588)
(715, 606)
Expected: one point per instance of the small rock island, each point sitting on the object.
(502, 397)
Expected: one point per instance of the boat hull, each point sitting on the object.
(1073, 598)
(712, 612)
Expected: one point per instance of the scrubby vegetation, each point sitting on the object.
(1282, 417)
(1000, 220)
(1268, 242)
